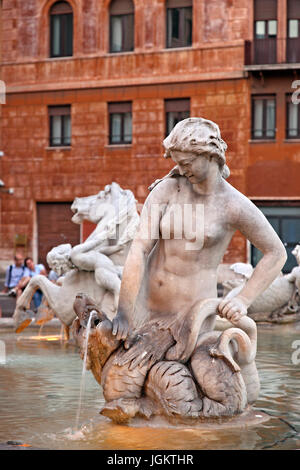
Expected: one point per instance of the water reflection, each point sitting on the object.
(39, 390)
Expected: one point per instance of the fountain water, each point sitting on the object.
(82, 382)
(39, 383)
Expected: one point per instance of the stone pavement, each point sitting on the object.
(7, 303)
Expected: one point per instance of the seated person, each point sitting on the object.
(34, 270)
(53, 276)
(15, 277)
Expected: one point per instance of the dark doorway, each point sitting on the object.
(55, 227)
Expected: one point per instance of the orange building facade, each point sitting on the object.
(74, 123)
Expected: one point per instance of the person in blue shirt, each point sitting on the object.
(16, 277)
(34, 270)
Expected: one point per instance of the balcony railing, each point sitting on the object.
(293, 50)
(272, 51)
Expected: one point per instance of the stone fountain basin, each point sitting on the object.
(42, 383)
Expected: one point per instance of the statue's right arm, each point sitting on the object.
(135, 265)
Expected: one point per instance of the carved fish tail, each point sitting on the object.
(223, 389)
(171, 384)
(122, 382)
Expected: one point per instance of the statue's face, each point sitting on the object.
(60, 266)
(194, 167)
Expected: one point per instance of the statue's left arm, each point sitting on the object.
(255, 227)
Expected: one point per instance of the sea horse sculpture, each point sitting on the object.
(219, 379)
(94, 266)
(279, 303)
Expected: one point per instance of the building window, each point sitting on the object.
(292, 119)
(61, 30)
(293, 31)
(265, 31)
(263, 117)
(286, 223)
(120, 123)
(60, 125)
(121, 26)
(176, 110)
(179, 23)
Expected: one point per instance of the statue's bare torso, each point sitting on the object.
(179, 277)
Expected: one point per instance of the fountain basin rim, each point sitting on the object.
(9, 323)
(249, 417)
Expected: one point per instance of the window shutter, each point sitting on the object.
(61, 8)
(177, 105)
(121, 7)
(265, 10)
(179, 3)
(119, 107)
(293, 9)
(59, 110)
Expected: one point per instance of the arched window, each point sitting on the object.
(61, 30)
(121, 25)
(179, 23)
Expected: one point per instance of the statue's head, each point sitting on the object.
(59, 259)
(92, 207)
(107, 203)
(81, 208)
(198, 136)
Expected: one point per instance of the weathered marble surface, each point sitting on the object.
(161, 354)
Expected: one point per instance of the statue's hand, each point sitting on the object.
(120, 326)
(233, 309)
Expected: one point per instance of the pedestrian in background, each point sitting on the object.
(34, 270)
(16, 277)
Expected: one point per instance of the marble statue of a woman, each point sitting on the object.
(161, 355)
(169, 277)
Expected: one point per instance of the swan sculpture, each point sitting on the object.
(219, 379)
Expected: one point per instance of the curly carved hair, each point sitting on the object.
(60, 256)
(198, 136)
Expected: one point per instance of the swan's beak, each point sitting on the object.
(217, 352)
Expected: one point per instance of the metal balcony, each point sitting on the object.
(272, 51)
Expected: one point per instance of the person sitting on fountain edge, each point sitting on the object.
(34, 270)
(15, 277)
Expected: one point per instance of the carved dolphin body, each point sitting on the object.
(219, 379)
